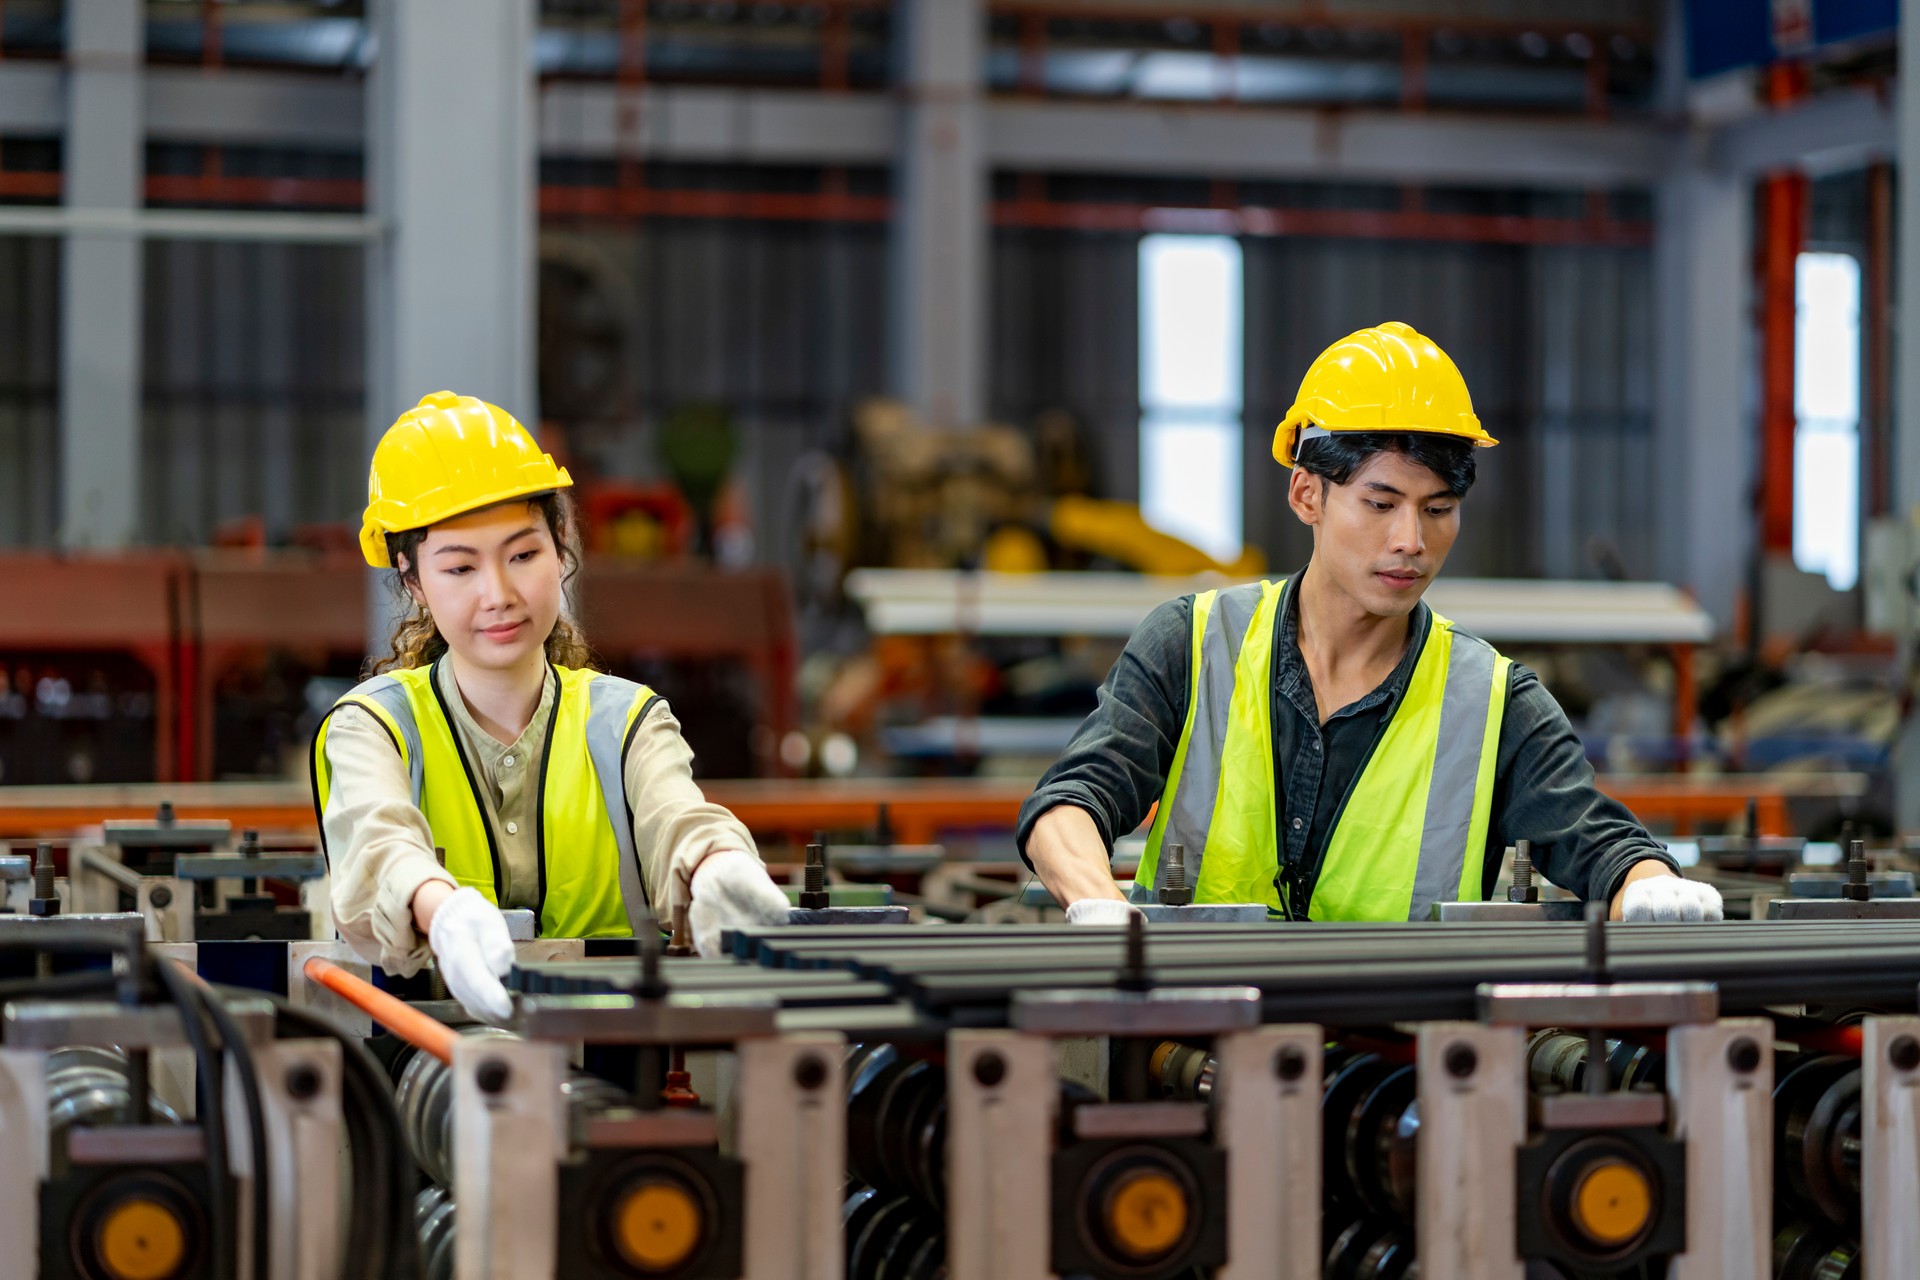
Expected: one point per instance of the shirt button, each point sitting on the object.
(1297, 824)
(507, 761)
(513, 828)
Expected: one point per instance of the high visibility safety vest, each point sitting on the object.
(1411, 831)
(591, 885)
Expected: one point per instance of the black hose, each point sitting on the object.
(212, 1122)
(242, 1052)
(383, 1240)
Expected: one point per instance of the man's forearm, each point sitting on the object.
(1070, 857)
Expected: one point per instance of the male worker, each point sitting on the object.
(1328, 745)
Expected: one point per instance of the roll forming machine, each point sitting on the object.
(1481, 1099)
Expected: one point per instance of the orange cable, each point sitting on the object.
(396, 1015)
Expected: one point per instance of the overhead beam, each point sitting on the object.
(1838, 130)
(1397, 147)
(768, 126)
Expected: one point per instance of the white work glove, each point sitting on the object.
(1101, 911)
(473, 949)
(1670, 898)
(731, 890)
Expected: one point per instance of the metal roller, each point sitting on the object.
(88, 1086)
(425, 1099)
(895, 1238)
(1557, 1059)
(897, 1123)
(1805, 1251)
(1372, 1250)
(1371, 1129)
(1816, 1123)
(1183, 1072)
(433, 1218)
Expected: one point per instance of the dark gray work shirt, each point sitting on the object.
(1117, 763)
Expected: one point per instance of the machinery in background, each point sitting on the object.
(189, 883)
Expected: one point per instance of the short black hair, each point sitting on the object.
(1337, 456)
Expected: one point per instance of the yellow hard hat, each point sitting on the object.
(1387, 378)
(448, 455)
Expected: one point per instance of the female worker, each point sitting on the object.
(544, 784)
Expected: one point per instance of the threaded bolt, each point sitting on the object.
(814, 896)
(163, 816)
(1175, 889)
(1857, 888)
(1523, 889)
(249, 843)
(43, 886)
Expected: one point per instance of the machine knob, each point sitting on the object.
(1612, 1203)
(140, 1239)
(1146, 1214)
(658, 1224)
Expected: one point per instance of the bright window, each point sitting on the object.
(1826, 406)
(1190, 389)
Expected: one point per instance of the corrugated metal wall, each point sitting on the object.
(254, 368)
(1555, 346)
(255, 378)
(1066, 334)
(29, 389)
(785, 323)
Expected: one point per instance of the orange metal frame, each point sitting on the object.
(914, 811)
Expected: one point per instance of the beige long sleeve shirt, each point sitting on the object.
(381, 848)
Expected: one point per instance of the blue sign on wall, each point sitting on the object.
(1724, 34)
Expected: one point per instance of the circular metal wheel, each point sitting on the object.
(1381, 1132)
(1371, 1250)
(1808, 1251)
(1816, 1108)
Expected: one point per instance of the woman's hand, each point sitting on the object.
(473, 949)
(731, 889)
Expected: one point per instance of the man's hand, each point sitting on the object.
(1652, 892)
(1071, 860)
(1101, 911)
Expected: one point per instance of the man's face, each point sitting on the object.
(1381, 537)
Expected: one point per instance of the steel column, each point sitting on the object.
(940, 228)
(1906, 414)
(100, 308)
(451, 159)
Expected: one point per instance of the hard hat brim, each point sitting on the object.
(374, 531)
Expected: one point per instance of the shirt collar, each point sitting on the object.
(1290, 670)
(530, 737)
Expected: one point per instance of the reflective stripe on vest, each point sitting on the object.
(1413, 828)
(590, 881)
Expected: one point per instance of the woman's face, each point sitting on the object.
(492, 580)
